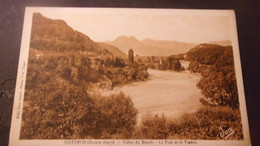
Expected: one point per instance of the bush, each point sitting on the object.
(59, 111)
(67, 112)
(153, 127)
(120, 76)
(117, 116)
(208, 123)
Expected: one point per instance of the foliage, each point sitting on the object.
(117, 116)
(121, 76)
(218, 82)
(153, 127)
(163, 65)
(204, 124)
(220, 86)
(57, 104)
(117, 62)
(57, 111)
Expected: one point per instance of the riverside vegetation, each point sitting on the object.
(220, 110)
(59, 102)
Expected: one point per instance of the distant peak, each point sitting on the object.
(126, 38)
(132, 37)
(120, 38)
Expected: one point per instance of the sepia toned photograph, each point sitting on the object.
(122, 74)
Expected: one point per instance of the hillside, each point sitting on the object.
(112, 49)
(56, 35)
(221, 43)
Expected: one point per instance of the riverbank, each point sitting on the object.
(168, 92)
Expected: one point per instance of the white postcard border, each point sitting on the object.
(22, 69)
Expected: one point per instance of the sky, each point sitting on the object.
(107, 25)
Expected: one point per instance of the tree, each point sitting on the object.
(120, 116)
(218, 82)
(61, 111)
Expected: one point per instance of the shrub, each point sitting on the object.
(118, 116)
(68, 112)
(204, 124)
(153, 127)
(59, 112)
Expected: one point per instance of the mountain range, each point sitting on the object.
(150, 47)
(56, 35)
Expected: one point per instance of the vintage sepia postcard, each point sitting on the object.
(114, 76)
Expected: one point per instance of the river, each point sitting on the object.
(168, 92)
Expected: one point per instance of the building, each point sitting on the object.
(174, 62)
(131, 56)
